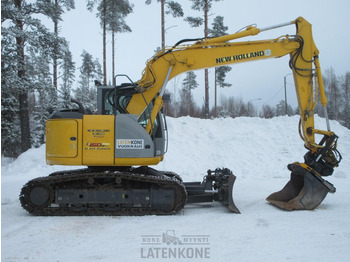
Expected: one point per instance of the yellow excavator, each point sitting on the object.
(129, 134)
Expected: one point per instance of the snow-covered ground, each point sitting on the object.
(256, 150)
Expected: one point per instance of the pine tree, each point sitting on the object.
(187, 105)
(89, 71)
(218, 29)
(107, 10)
(332, 90)
(116, 12)
(220, 75)
(68, 75)
(204, 6)
(345, 94)
(59, 50)
(281, 109)
(43, 93)
(54, 9)
(267, 112)
(173, 8)
(23, 84)
(22, 31)
(10, 122)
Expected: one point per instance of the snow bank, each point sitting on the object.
(256, 150)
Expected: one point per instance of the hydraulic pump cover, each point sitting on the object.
(63, 142)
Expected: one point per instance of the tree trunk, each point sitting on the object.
(163, 23)
(55, 74)
(24, 117)
(23, 92)
(113, 59)
(104, 45)
(206, 78)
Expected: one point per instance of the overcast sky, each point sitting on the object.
(262, 79)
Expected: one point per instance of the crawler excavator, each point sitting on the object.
(128, 135)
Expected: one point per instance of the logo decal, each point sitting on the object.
(130, 144)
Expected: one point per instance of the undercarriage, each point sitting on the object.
(120, 191)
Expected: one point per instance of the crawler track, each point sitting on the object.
(102, 191)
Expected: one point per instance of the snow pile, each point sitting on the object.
(256, 150)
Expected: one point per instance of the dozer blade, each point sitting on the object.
(304, 191)
(217, 185)
(231, 204)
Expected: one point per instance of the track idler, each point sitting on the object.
(304, 191)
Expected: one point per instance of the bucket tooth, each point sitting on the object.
(304, 191)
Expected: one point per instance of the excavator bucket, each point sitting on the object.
(304, 191)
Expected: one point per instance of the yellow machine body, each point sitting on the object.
(90, 141)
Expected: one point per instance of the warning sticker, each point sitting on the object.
(130, 143)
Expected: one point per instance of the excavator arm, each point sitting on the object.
(321, 158)
(220, 51)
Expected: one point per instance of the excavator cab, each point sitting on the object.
(110, 101)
